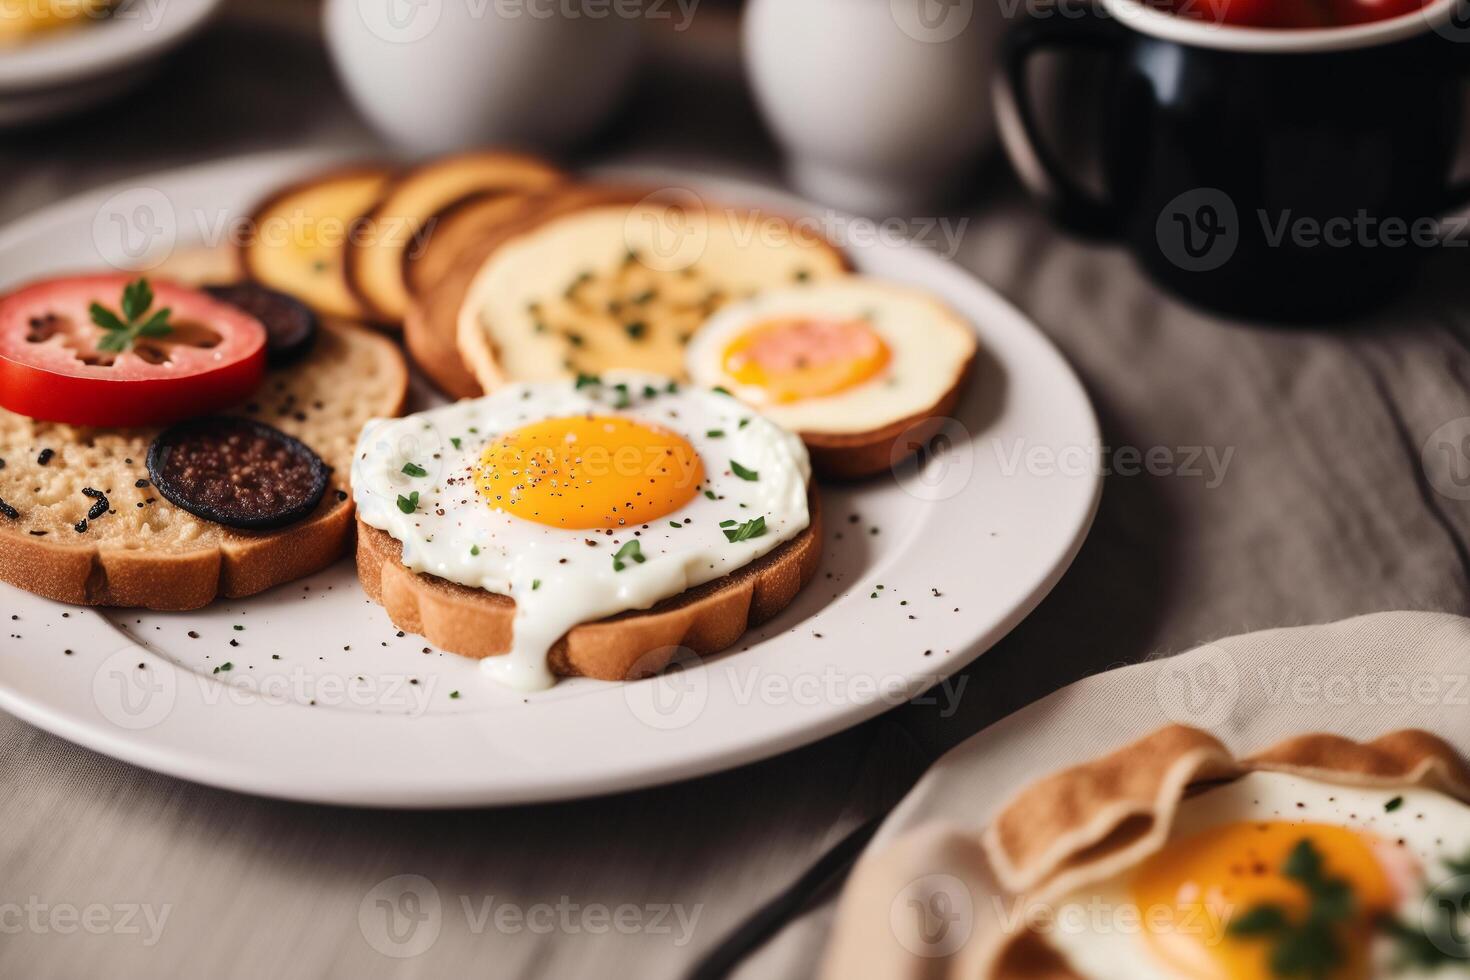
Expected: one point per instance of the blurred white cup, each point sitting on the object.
(881, 105)
(435, 75)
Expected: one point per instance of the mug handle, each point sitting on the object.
(1063, 198)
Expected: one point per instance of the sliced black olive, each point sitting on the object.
(290, 325)
(237, 472)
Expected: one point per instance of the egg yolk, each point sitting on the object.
(589, 471)
(795, 358)
(1189, 892)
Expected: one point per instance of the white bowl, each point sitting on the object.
(72, 69)
(438, 75)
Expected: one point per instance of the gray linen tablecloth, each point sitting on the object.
(1324, 511)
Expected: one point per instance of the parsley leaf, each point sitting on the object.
(632, 550)
(1313, 946)
(746, 531)
(121, 331)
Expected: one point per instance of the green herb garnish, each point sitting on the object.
(746, 531)
(1393, 804)
(743, 473)
(535, 584)
(474, 550)
(587, 380)
(721, 390)
(1311, 947)
(122, 331)
(715, 434)
(410, 503)
(454, 695)
(226, 666)
(414, 469)
(454, 441)
(632, 550)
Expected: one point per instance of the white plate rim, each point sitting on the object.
(92, 50)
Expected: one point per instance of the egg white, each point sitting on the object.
(556, 577)
(1102, 943)
(930, 348)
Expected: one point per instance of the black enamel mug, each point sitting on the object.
(1269, 174)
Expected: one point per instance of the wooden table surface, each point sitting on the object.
(1324, 509)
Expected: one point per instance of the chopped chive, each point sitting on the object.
(454, 441)
(414, 469)
(1393, 804)
(410, 503)
(721, 390)
(743, 473)
(474, 549)
(715, 434)
(454, 695)
(535, 584)
(585, 380)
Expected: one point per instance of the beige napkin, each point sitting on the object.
(922, 900)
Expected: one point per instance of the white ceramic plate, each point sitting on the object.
(922, 571)
(69, 69)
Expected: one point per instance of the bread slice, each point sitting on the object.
(561, 292)
(702, 620)
(146, 552)
(199, 265)
(854, 456)
(297, 238)
(377, 262)
(460, 240)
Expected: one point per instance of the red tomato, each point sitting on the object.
(54, 364)
(1366, 11)
(1254, 13)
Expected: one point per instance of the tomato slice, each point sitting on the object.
(54, 365)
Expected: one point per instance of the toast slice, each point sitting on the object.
(603, 278)
(297, 238)
(398, 224)
(461, 236)
(146, 552)
(702, 620)
(856, 455)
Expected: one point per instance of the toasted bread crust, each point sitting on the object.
(702, 620)
(431, 328)
(853, 456)
(472, 173)
(468, 230)
(247, 247)
(233, 563)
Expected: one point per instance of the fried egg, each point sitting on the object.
(581, 499)
(1193, 909)
(847, 355)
